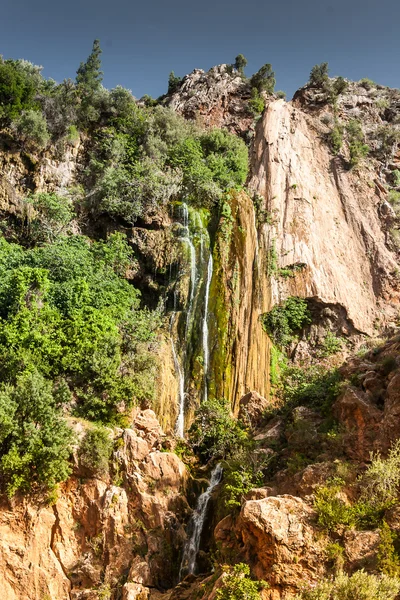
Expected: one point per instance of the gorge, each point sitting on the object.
(200, 370)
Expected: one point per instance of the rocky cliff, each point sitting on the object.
(309, 224)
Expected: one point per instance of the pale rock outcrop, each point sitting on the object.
(280, 543)
(322, 217)
(218, 98)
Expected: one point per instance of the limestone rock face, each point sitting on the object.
(323, 217)
(251, 408)
(98, 532)
(218, 98)
(279, 542)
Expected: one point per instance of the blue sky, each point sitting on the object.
(143, 41)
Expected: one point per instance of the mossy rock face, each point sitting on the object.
(229, 247)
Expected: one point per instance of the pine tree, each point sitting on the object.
(89, 76)
(240, 63)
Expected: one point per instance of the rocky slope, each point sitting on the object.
(307, 226)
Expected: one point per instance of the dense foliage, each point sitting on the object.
(284, 320)
(359, 586)
(215, 434)
(237, 584)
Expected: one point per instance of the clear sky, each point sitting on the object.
(144, 40)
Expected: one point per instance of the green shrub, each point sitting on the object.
(18, 87)
(51, 217)
(355, 136)
(388, 558)
(264, 79)
(95, 450)
(31, 127)
(215, 434)
(332, 511)
(380, 482)
(35, 440)
(358, 586)
(72, 135)
(240, 63)
(256, 102)
(173, 82)
(336, 137)
(67, 310)
(242, 472)
(283, 321)
(237, 585)
(367, 83)
(281, 94)
(330, 345)
(319, 75)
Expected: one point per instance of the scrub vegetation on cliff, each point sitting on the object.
(75, 337)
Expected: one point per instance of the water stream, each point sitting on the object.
(194, 235)
(188, 564)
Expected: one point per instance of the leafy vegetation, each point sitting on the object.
(264, 79)
(95, 450)
(215, 434)
(283, 321)
(237, 584)
(355, 136)
(358, 586)
(35, 439)
(379, 487)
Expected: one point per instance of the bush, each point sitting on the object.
(50, 219)
(240, 63)
(256, 102)
(173, 82)
(95, 450)
(336, 137)
(355, 138)
(319, 75)
(380, 482)
(283, 321)
(332, 511)
(31, 127)
(215, 435)
(367, 83)
(264, 79)
(388, 559)
(35, 440)
(18, 87)
(67, 310)
(358, 586)
(237, 585)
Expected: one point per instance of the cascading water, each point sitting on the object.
(193, 267)
(206, 349)
(194, 235)
(188, 564)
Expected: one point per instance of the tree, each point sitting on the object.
(214, 433)
(35, 439)
(264, 79)
(240, 63)
(31, 127)
(173, 82)
(319, 75)
(89, 76)
(17, 90)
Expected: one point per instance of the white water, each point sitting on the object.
(193, 267)
(188, 564)
(206, 349)
(180, 422)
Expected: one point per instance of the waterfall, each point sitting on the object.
(188, 564)
(206, 349)
(193, 267)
